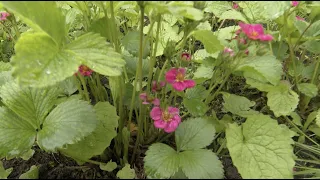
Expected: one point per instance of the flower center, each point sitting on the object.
(85, 68)
(180, 77)
(254, 33)
(166, 116)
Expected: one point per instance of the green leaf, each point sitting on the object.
(238, 105)
(282, 100)
(40, 62)
(312, 46)
(68, 123)
(197, 92)
(201, 164)
(93, 144)
(69, 86)
(33, 173)
(296, 118)
(30, 104)
(100, 26)
(194, 133)
(131, 42)
(110, 166)
(195, 106)
(5, 66)
(4, 173)
(218, 7)
(234, 15)
(204, 26)
(41, 16)
(161, 161)
(210, 41)
(93, 50)
(16, 135)
(203, 72)
(261, 149)
(263, 11)
(308, 89)
(257, 81)
(267, 66)
(126, 173)
(318, 118)
(312, 31)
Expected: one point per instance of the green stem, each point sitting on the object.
(308, 161)
(166, 137)
(221, 147)
(302, 133)
(15, 26)
(162, 69)
(139, 77)
(296, 44)
(293, 60)
(153, 58)
(315, 70)
(84, 85)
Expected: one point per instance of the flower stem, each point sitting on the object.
(84, 85)
(139, 77)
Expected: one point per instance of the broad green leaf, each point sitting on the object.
(100, 26)
(110, 166)
(40, 62)
(93, 50)
(260, 148)
(132, 65)
(41, 16)
(203, 72)
(26, 156)
(234, 15)
(161, 161)
(267, 66)
(312, 31)
(69, 85)
(194, 133)
(5, 66)
(204, 26)
(68, 123)
(201, 164)
(33, 173)
(257, 81)
(195, 106)
(95, 143)
(201, 54)
(295, 118)
(282, 100)
(30, 104)
(5, 77)
(131, 42)
(197, 92)
(16, 135)
(218, 7)
(308, 89)
(210, 41)
(4, 173)
(238, 105)
(126, 173)
(263, 11)
(226, 33)
(312, 46)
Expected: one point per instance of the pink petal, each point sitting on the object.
(143, 96)
(176, 118)
(189, 83)
(156, 102)
(160, 124)
(171, 127)
(258, 28)
(156, 113)
(235, 6)
(266, 37)
(179, 86)
(182, 71)
(300, 18)
(145, 102)
(171, 75)
(173, 110)
(294, 3)
(162, 83)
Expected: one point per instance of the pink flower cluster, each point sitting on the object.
(294, 3)
(4, 16)
(176, 77)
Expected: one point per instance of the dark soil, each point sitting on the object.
(57, 166)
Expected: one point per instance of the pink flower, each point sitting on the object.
(186, 56)
(148, 99)
(176, 77)
(235, 5)
(4, 16)
(300, 18)
(167, 119)
(157, 86)
(242, 41)
(229, 51)
(84, 70)
(294, 3)
(255, 31)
